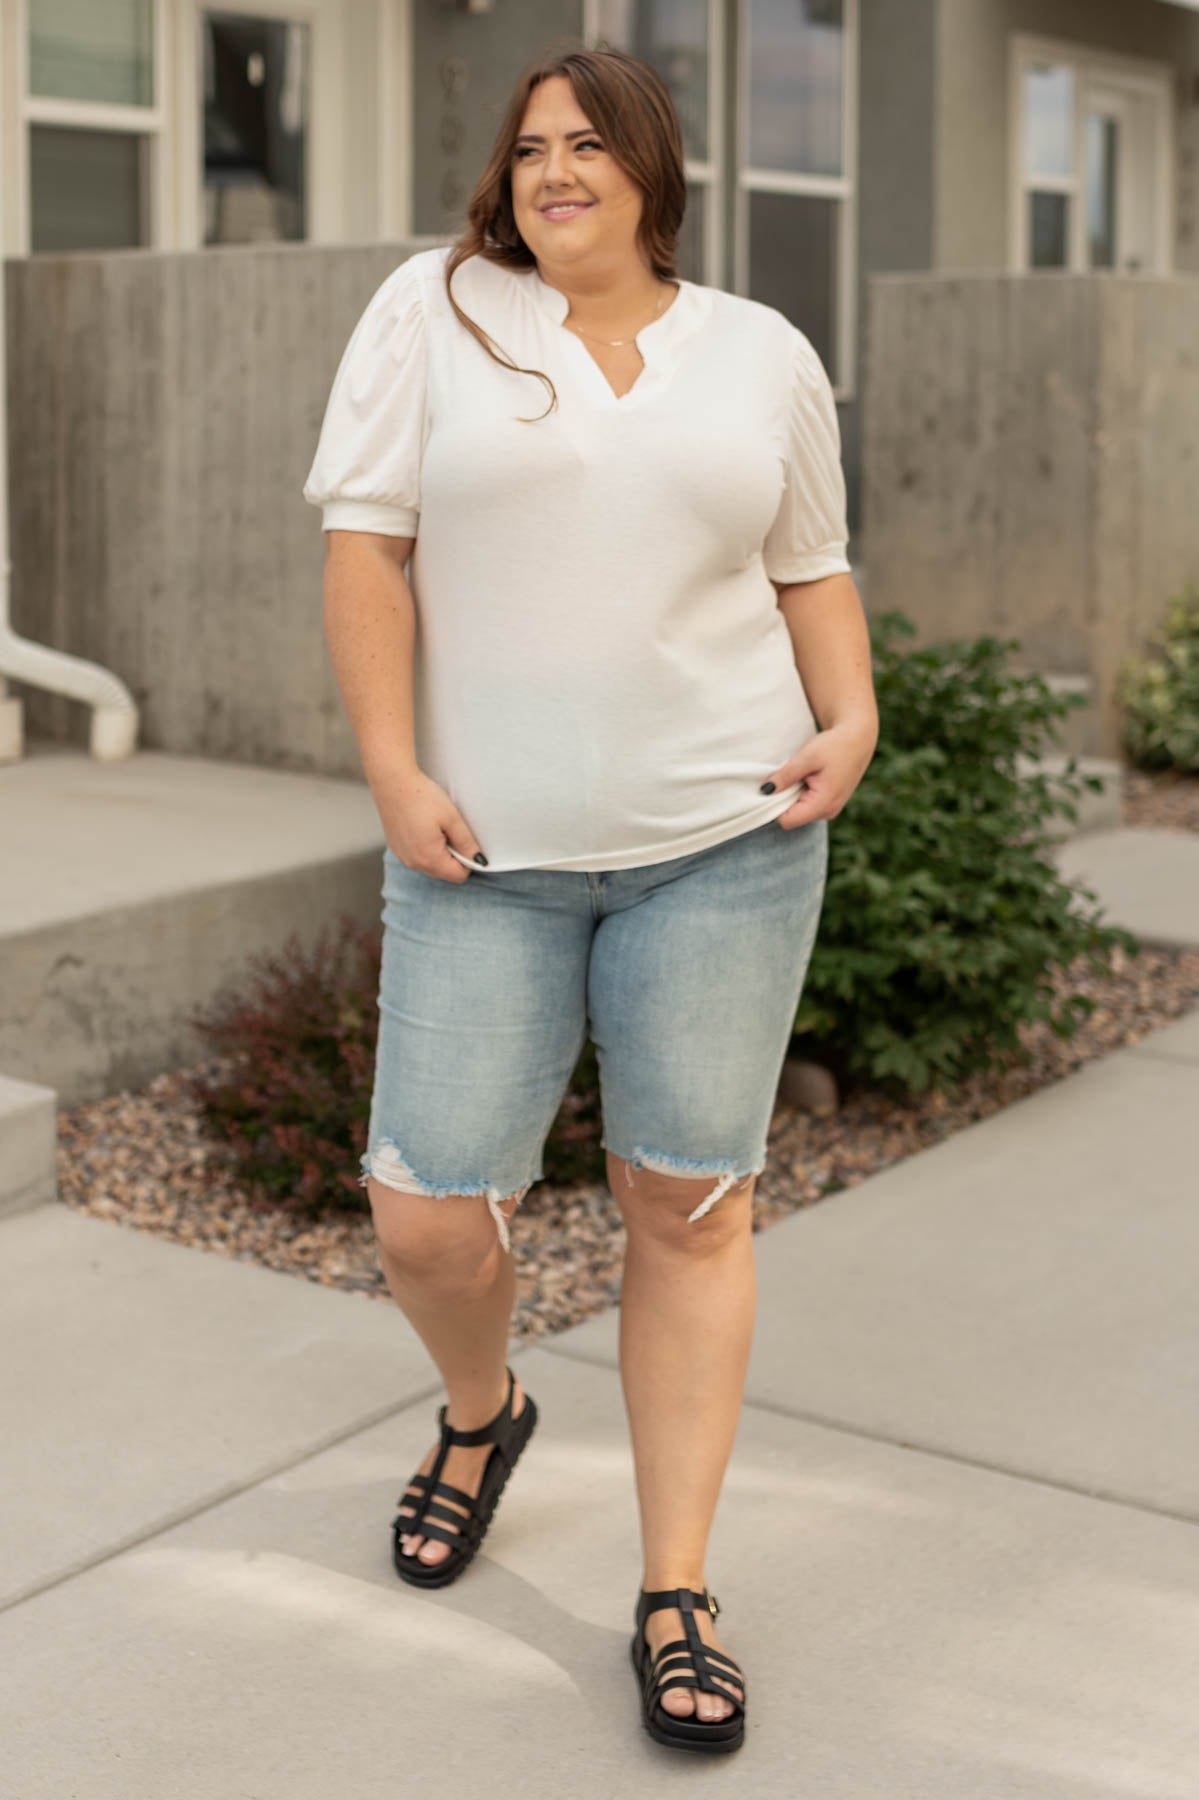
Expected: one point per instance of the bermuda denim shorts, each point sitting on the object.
(686, 975)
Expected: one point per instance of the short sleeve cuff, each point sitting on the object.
(369, 515)
(813, 565)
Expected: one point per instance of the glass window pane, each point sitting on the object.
(1048, 231)
(87, 189)
(1101, 190)
(672, 36)
(1049, 120)
(796, 60)
(255, 128)
(92, 50)
(793, 263)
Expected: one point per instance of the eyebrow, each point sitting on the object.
(531, 137)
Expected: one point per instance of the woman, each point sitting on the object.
(624, 616)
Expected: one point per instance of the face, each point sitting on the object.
(558, 157)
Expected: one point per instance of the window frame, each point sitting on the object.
(1128, 75)
(147, 122)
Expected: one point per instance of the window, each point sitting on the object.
(90, 107)
(1092, 161)
(255, 128)
(764, 90)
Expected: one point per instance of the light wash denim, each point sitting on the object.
(686, 975)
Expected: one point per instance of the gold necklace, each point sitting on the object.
(616, 343)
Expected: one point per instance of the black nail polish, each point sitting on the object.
(767, 787)
(480, 858)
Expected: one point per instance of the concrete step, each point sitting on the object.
(135, 890)
(1079, 730)
(28, 1137)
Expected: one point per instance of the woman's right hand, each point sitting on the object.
(417, 817)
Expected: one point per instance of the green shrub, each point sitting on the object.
(1159, 694)
(944, 918)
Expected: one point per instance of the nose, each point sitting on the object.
(556, 158)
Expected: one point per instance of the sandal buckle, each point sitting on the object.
(713, 1606)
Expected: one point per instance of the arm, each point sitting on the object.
(832, 653)
(370, 627)
(832, 649)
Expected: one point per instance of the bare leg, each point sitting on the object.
(686, 1325)
(450, 1277)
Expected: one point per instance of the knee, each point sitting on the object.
(657, 1209)
(447, 1243)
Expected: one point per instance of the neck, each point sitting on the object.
(606, 294)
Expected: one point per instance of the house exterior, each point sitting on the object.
(827, 140)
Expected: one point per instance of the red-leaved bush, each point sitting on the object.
(289, 1090)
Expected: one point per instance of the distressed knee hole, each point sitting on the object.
(688, 1167)
(386, 1165)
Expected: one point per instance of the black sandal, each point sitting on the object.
(509, 1435)
(695, 1664)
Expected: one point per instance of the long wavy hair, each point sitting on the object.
(632, 110)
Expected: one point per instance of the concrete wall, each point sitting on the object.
(163, 412)
(972, 127)
(1033, 461)
(896, 162)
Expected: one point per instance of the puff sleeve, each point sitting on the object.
(365, 474)
(808, 537)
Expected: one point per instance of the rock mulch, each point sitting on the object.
(1166, 799)
(147, 1160)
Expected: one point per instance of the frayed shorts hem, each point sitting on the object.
(640, 1158)
(385, 1165)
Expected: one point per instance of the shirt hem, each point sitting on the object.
(663, 851)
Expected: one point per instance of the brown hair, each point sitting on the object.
(631, 108)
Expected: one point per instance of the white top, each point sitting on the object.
(603, 677)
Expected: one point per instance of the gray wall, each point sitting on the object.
(897, 153)
(972, 109)
(163, 414)
(1033, 462)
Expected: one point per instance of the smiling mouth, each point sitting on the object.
(566, 211)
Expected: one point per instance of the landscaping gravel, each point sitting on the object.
(147, 1159)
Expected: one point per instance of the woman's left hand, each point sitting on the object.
(832, 763)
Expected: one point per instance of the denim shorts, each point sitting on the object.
(686, 975)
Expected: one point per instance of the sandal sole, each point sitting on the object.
(709, 1746)
(443, 1573)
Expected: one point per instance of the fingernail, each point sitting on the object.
(767, 787)
(480, 858)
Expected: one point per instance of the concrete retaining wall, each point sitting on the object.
(163, 413)
(1032, 462)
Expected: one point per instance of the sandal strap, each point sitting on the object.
(435, 1510)
(681, 1652)
(707, 1663)
(688, 1681)
(497, 1430)
(453, 1538)
(684, 1600)
(500, 1430)
(445, 1488)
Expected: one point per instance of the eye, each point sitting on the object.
(524, 150)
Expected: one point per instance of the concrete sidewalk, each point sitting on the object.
(957, 1551)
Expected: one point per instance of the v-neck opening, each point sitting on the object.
(661, 336)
